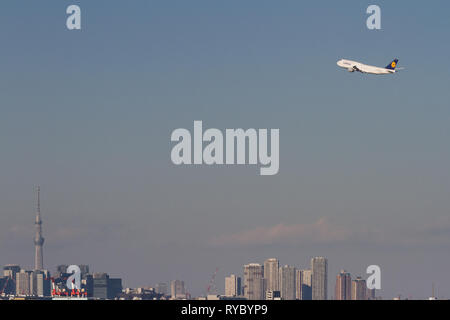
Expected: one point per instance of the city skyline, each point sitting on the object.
(259, 281)
(267, 281)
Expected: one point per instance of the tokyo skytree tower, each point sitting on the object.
(38, 239)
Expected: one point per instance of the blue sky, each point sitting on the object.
(88, 115)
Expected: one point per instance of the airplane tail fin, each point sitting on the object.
(392, 65)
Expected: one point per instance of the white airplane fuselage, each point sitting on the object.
(353, 66)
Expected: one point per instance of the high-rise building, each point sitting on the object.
(287, 282)
(259, 289)
(114, 287)
(24, 280)
(343, 289)
(41, 283)
(303, 284)
(61, 270)
(254, 282)
(38, 239)
(177, 290)
(161, 288)
(105, 287)
(271, 269)
(298, 284)
(359, 289)
(307, 277)
(232, 286)
(10, 271)
(100, 285)
(9, 284)
(319, 268)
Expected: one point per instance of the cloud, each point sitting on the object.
(325, 232)
(322, 231)
(435, 232)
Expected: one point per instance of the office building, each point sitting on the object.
(41, 283)
(100, 285)
(105, 287)
(359, 289)
(24, 280)
(303, 284)
(287, 282)
(343, 289)
(10, 270)
(232, 286)
(271, 274)
(114, 287)
(254, 283)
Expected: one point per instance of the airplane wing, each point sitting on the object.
(357, 69)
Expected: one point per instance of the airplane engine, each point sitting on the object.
(351, 70)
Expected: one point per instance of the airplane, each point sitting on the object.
(353, 66)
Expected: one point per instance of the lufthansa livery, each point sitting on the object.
(353, 66)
